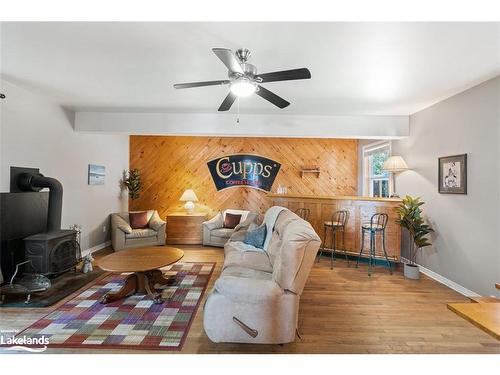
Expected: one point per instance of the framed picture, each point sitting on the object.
(96, 174)
(452, 174)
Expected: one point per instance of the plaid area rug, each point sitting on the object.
(135, 322)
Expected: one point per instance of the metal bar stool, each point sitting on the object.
(377, 224)
(303, 213)
(337, 224)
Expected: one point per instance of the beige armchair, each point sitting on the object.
(124, 237)
(214, 233)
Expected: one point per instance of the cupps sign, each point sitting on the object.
(241, 170)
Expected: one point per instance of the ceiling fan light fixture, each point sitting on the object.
(243, 87)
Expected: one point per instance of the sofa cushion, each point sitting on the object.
(221, 232)
(256, 260)
(141, 233)
(239, 246)
(246, 272)
(138, 220)
(231, 220)
(248, 290)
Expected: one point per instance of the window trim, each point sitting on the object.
(367, 179)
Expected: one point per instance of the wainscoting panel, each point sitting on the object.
(169, 165)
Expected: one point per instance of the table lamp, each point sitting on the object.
(189, 197)
(395, 164)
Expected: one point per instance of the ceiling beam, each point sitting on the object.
(225, 125)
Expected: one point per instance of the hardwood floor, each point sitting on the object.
(342, 311)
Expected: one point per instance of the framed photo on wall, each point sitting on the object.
(96, 174)
(452, 174)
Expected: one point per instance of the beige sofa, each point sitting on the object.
(124, 237)
(256, 298)
(214, 233)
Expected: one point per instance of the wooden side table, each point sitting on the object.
(185, 229)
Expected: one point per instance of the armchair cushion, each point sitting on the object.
(156, 222)
(222, 232)
(215, 222)
(121, 224)
(141, 233)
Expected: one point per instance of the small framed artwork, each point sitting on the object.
(96, 174)
(453, 174)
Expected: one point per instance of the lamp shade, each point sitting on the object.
(395, 164)
(189, 196)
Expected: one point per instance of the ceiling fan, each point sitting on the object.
(244, 79)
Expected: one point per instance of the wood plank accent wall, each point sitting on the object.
(170, 164)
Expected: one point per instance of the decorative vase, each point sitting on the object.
(411, 271)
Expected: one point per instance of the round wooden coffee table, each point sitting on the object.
(144, 263)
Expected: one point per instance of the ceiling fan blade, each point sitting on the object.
(228, 102)
(286, 75)
(272, 97)
(200, 84)
(229, 60)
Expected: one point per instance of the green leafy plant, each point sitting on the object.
(132, 181)
(410, 217)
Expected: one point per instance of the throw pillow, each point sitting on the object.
(231, 220)
(256, 237)
(138, 220)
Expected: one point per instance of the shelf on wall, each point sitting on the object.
(315, 170)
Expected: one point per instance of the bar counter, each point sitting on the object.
(360, 211)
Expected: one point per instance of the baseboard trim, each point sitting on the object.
(443, 280)
(96, 248)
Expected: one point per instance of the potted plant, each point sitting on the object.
(132, 181)
(410, 217)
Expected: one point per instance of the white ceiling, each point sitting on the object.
(357, 68)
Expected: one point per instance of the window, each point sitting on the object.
(376, 182)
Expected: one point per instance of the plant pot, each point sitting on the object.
(411, 271)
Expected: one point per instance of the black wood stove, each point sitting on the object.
(53, 251)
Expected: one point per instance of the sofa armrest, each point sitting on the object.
(247, 290)
(214, 223)
(119, 223)
(156, 222)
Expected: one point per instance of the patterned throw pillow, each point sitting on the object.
(256, 237)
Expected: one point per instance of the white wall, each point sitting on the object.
(37, 132)
(466, 246)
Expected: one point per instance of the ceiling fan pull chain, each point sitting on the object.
(238, 110)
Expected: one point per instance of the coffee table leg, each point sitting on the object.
(159, 280)
(148, 286)
(141, 283)
(129, 286)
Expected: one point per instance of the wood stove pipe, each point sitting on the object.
(36, 182)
